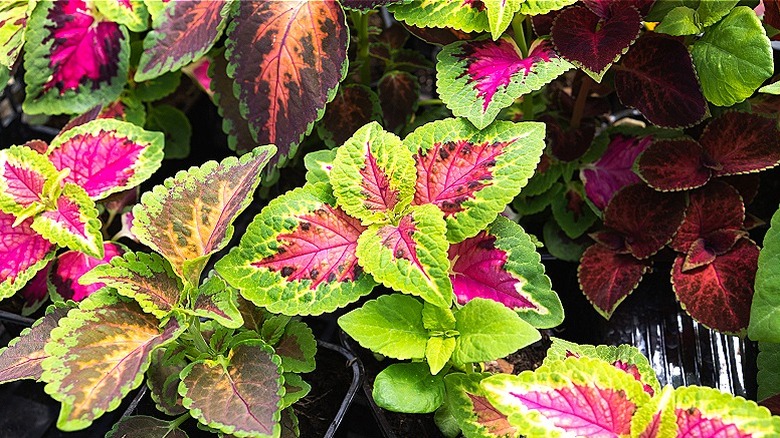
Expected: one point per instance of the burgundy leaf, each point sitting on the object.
(747, 185)
(657, 78)
(607, 278)
(715, 207)
(398, 95)
(71, 265)
(543, 23)
(772, 13)
(614, 170)
(233, 124)
(354, 106)
(22, 359)
(738, 142)
(772, 403)
(677, 164)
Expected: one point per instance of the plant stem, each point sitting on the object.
(517, 27)
(197, 336)
(178, 421)
(360, 20)
(579, 104)
(429, 102)
(527, 107)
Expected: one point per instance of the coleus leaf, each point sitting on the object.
(502, 264)
(476, 79)
(146, 278)
(367, 5)
(765, 311)
(473, 412)
(23, 252)
(593, 41)
(719, 293)
(298, 58)
(174, 125)
(318, 166)
(98, 354)
(233, 124)
(704, 411)
(470, 174)
(189, 217)
(373, 175)
(354, 106)
(571, 211)
(500, 14)
(23, 356)
(657, 77)
(182, 33)
(155, 7)
(27, 180)
(131, 13)
(607, 277)
(107, 156)
(468, 15)
(13, 24)
(539, 7)
(241, 395)
(614, 170)
(297, 348)
(399, 93)
(143, 426)
(295, 388)
(674, 164)
(36, 292)
(70, 266)
(768, 377)
(411, 255)
(73, 59)
(438, 351)
(408, 387)
(657, 417)
(575, 397)
(218, 301)
(298, 256)
(162, 378)
(73, 222)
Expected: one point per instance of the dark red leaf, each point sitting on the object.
(542, 24)
(738, 142)
(746, 184)
(674, 165)
(772, 17)
(354, 106)
(715, 207)
(233, 124)
(772, 403)
(398, 95)
(607, 278)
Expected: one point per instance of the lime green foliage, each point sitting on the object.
(684, 20)
(13, 16)
(773, 88)
(500, 14)
(135, 17)
(539, 7)
(765, 310)
(318, 165)
(408, 387)
(217, 300)
(768, 370)
(662, 406)
(435, 13)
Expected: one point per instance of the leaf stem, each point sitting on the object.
(517, 27)
(360, 20)
(178, 421)
(429, 102)
(197, 336)
(527, 107)
(579, 104)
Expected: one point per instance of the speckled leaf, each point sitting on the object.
(298, 256)
(13, 24)
(657, 78)
(181, 33)
(656, 418)
(142, 426)
(473, 412)
(70, 266)
(410, 256)
(607, 278)
(613, 170)
(502, 264)
(373, 175)
(297, 348)
(73, 59)
(298, 58)
(765, 310)
(189, 217)
(712, 210)
(107, 156)
(27, 179)
(467, 15)
(162, 378)
(74, 223)
(399, 93)
(476, 79)
(233, 124)
(23, 252)
(23, 356)
(719, 294)
(471, 175)
(574, 397)
(708, 412)
(241, 395)
(674, 164)
(131, 13)
(354, 106)
(738, 142)
(99, 353)
(216, 300)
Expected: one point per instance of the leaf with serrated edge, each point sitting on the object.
(218, 301)
(131, 13)
(297, 256)
(502, 264)
(23, 356)
(241, 396)
(373, 175)
(13, 24)
(295, 388)
(23, 252)
(656, 419)
(181, 34)
(162, 378)
(574, 397)
(500, 14)
(482, 170)
(473, 412)
(399, 96)
(571, 211)
(99, 353)
(765, 308)
(298, 58)
(468, 15)
(142, 426)
(539, 7)
(613, 170)
(72, 61)
(233, 124)
(107, 156)
(390, 325)
(715, 208)
(607, 278)
(146, 278)
(739, 142)
(73, 222)
(26, 178)
(354, 106)
(188, 217)
(297, 348)
(70, 266)
(410, 256)
(702, 411)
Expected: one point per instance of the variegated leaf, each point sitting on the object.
(27, 180)
(23, 252)
(23, 356)
(70, 266)
(73, 222)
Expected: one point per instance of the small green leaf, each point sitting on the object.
(295, 388)
(157, 88)
(318, 165)
(711, 12)
(773, 88)
(572, 212)
(500, 14)
(408, 387)
(218, 301)
(273, 328)
(681, 20)
(768, 370)
(176, 127)
(437, 318)
(438, 351)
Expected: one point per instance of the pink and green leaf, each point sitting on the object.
(218, 301)
(70, 266)
(131, 13)
(241, 395)
(738, 143)
(574, 397)
(74, 58)
(713, 210)
(502, 264)
(708, 412)
(36, 292)
(23, 356)
(298, 256)
(299, 56)
(23, 252)
(189, 217)
(146, 278)
(607, 277)
(233, 123)
(73, 222)
(410, 256)
(373, 175)
(467, 15)
(27, 179)
(107, 156)
(98, 354)
(470, 174)
(354, 106)
(674, 164)
(476, 79)
(613, 170)
(656, 419)
(297, 348)
(719, 294)
(13, 24)
(181, 33)
(399, 94)
(471, 409)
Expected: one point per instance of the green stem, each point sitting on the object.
(517, 27)
(197, 336)
(429, 102)
(360, 21)
(178, 421)
(527, 107)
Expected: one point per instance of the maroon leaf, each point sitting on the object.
(746, 184)
(713, 208)
(22, 359)
(772, 13)
(614, 170)
(607, 278)
(657, 78)
(398, 95)
(677, 164)
(354, 106)
(233, 124)
(719, 294)
(738, 142)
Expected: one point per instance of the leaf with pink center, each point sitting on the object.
(373, 175)
(70, 266)
(614, 170)
(36, 291)
(675, 164)
(574, 397)
(720, 293)
(73, 222)
(410, 256)
(657, 77)
(23, 252)
(131, 13)
(13, 24)
(476, 79)
(593, 42)
(466, 15)
(23, 356)
(501, 264)
(74, 58)
(107, 156)
(707, 412)
(27, 181)
(472, 411)
(354, 106)
(738, 142)
(607, 277)
(298, 256)
(656, 419)
(471, 175)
